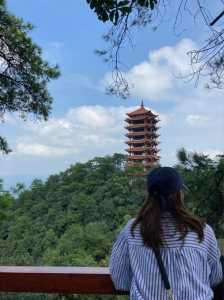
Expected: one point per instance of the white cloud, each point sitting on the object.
(197, 120)
(175, 57)
(213, 153)
(98, 116)
(148, 81)
(42, 150)
(84, 131)
(154, 78)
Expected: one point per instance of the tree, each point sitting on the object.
(204, 178)
(24, 75)
(18, 189)
(6, 201)
(125, 15)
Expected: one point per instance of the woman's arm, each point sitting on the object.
(119, 266)
(214, 256)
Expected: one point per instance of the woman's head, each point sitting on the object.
(165, 194)
(164, 185)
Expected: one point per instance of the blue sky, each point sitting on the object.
(85, 122)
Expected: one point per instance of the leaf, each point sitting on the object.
(112, 14)
(125, 10)
(141, 2)
(151, 2)
(116, 17)
(92, 5)
(4, 148)
(123, 3)
(104, 16)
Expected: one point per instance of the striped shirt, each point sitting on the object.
(192, 267)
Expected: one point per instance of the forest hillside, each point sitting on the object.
(73, 217)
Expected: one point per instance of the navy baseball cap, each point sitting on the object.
(165, 181)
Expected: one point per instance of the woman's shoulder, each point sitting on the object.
(127, 229)
(128, 226)
(210, 242)
(209, 234)
(132, 235)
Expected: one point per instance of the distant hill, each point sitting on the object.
(73, 217)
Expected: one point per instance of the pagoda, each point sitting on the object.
(142, 138)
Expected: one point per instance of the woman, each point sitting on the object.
(188, 248)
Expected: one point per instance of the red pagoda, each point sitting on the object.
(143, 138)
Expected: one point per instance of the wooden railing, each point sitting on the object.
(61, 280)
(58, 280)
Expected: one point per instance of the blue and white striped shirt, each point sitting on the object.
(192, 267)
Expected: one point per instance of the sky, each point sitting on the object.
(86, 122)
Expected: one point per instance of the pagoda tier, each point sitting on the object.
(148, 134)
(142, 142)
(147, 165)
(140, 126)
(141, 149)
(143, 157)
(146, 159)
(143, 138)
(140, 119)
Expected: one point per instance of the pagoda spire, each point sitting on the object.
(142, 104)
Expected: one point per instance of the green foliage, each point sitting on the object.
(114, 10)
(204, 178)
(6, 201)
(72, 218)
(18, 189)
(221, 245)
(24, 75)
(4, 148)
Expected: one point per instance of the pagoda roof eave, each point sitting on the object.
(139, 111)
(139, 126)
(143, 141)
(142, 157)
(141, 149)
(142, 117)
(153, 135)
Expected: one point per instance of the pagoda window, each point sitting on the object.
(138, 129)
(138, 138)
(138, 122)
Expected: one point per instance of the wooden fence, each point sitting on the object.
(58, 280)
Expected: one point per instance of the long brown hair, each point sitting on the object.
(149, 218)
